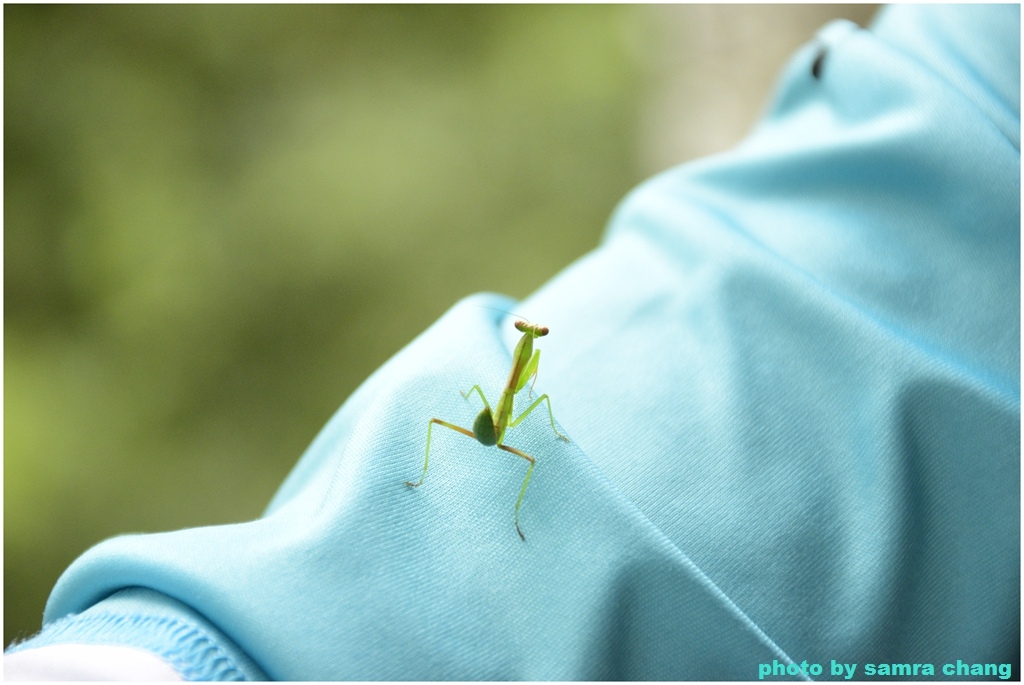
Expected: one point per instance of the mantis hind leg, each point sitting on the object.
(426, 460)
(526, 481)
(542, 398)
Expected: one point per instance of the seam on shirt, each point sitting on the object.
(193, 653)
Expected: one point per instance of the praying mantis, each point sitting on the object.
(489, 427)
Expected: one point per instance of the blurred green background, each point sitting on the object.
(218, 220)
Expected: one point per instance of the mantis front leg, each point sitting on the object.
(529, 371)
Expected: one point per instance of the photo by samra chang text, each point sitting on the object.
(958, 669)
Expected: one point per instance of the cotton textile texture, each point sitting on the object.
(790, 376)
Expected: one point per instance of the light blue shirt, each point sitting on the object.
(791, 379)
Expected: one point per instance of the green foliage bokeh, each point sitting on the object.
(218, 220)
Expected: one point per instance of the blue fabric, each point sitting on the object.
(791, 378)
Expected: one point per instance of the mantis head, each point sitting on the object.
(531, 329)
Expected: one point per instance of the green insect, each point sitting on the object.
(489, 427)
